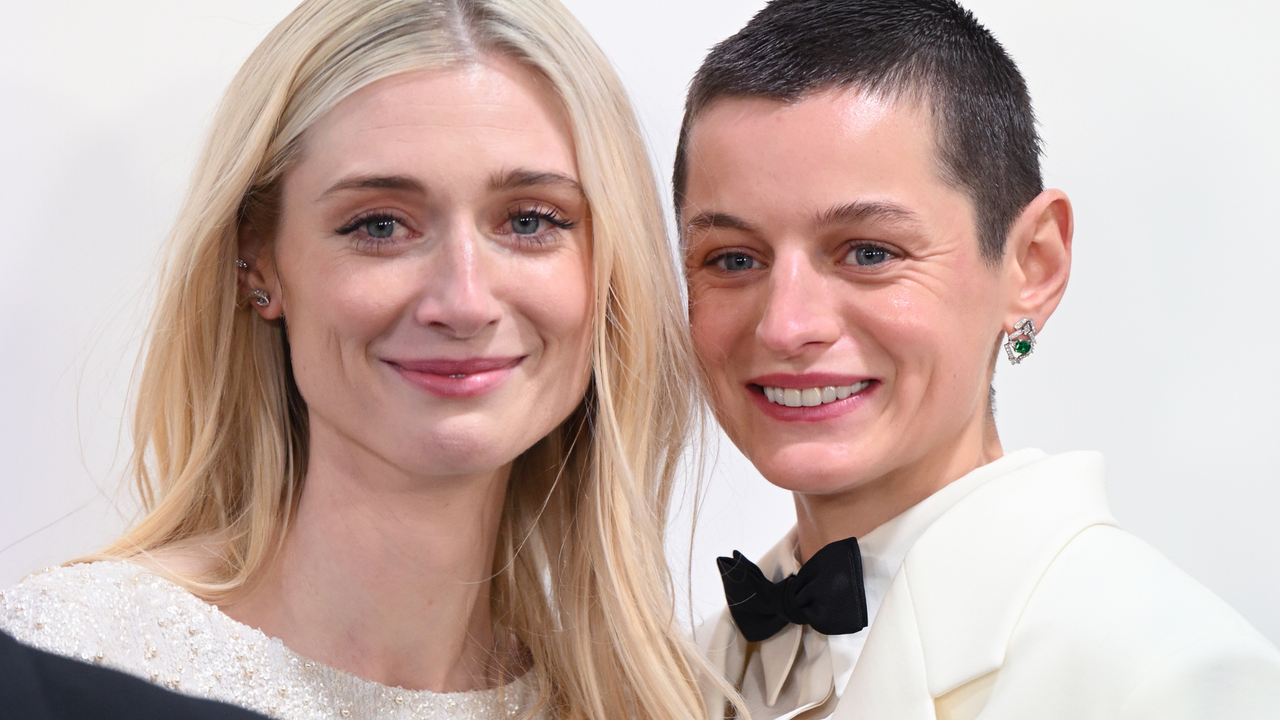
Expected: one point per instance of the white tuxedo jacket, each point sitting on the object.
(1025, 602)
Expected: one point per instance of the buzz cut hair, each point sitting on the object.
(930, 51)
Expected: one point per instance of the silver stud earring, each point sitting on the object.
(242, 264)
(260, 298)
(1021, 341)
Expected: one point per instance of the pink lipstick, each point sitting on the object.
(462, 378)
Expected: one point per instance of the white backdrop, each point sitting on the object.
(1159, 121)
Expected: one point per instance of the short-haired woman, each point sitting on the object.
(867, 234)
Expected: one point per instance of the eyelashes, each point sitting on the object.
(533, 225)
(366, 218)
(376, 231)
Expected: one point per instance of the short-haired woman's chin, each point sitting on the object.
(394, 421)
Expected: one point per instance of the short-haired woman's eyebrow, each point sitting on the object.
(859, 211)
(375, 182)
(714, 220)
(523, 177)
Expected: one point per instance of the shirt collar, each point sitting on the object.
(778, 653)
(883, 551)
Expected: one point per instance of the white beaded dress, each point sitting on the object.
(122, 615)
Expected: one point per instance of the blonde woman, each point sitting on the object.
(413, 391)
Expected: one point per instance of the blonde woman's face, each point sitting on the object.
(433, 266)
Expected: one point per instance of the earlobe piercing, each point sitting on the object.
(260, 297)
(1021, 341)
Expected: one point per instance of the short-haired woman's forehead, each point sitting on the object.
(835, 159)
(937, 51)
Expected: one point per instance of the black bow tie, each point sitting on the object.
(825, 594)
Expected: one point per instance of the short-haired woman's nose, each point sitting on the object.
(797, 312)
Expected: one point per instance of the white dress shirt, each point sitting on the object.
(801, 673)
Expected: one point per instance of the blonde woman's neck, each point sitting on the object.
(387, 576)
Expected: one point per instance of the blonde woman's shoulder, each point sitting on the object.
(121, 614)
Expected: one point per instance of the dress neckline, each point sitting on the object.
(131, 617)
(519, 687)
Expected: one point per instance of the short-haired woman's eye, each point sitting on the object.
(735, 262)
(867, 255)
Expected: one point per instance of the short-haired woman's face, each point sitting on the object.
(838, 299)
(433, 265)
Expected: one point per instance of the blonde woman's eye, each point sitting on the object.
(377, 232)
(534, 226)
(381, 228)
(527, 224)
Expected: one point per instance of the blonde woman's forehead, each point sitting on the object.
(480, 118)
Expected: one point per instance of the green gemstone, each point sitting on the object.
(1022, 347)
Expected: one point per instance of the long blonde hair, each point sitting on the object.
(220, 431)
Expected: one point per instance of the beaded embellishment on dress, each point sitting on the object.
(122, 615)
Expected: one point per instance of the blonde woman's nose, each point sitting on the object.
(458, 297)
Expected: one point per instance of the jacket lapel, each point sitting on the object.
(890, 680)
(950, 611)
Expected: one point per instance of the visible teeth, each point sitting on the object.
(811, 397)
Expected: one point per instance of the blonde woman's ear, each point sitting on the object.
(257, 279)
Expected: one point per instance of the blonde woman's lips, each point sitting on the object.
(457, 378)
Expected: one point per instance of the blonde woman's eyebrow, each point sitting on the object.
(375, 182)
(523, 177)
(507, 180)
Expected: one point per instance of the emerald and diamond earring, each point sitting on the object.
(1022, 341)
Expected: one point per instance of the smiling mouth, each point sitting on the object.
(457, 369)
(812, 397)
(457, 379)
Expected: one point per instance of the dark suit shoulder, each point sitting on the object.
(42, 686)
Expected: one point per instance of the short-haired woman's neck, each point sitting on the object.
(825, 518)
(387, 576)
